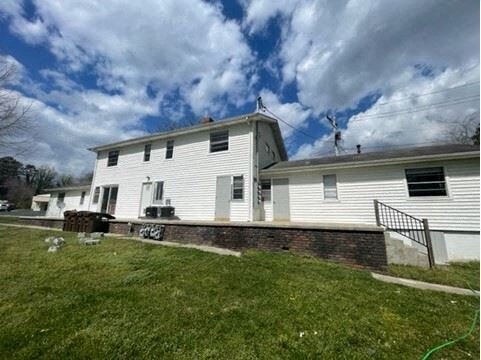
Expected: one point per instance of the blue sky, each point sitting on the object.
(393, 73)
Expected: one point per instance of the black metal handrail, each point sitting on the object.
(407, 225)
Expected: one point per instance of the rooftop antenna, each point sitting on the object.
(260, 106)
(337, 133)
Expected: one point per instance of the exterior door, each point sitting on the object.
(280, 197)
(109, 199)
(222, 198)
(145, 197)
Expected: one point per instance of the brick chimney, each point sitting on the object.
(206, 120)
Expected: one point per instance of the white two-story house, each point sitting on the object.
(237, 170)
(206, 172)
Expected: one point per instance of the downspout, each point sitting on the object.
(92, 185)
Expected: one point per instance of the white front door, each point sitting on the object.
(145, 197)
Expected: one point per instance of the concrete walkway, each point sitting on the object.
(211, 249)
(424, 285)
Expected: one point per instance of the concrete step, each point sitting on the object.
(398, 252)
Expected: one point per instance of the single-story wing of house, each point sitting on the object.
(40, 202)
(75, 197)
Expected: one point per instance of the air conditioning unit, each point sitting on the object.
(167, 211)
(151, 211)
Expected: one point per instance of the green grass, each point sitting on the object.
(8, 219)
(463, 275)
(124, 299)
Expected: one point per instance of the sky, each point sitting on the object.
(398, 72)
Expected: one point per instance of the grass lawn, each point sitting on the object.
(463, 275)
(125, 299)
(8, 219)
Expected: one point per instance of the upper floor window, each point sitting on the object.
(147, 150)
(219, 141)
(426, 182)
(61, 198)
(169, 153)
(238, 187)
(95, 199)
(82, 197)
(330, 186)
(113, 158)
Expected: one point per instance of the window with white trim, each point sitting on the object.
(266, 190)
(147, 150)
(426, 182)
(113, 158)
(169, 151)
(82, 197)
(96, 197)
(330, 186)
(238, 187)
(219, 141)
(60, 198)
(158, 191)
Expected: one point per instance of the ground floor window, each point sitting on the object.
(109, 199)
(266, 190)
(82, 198)
(60, 198)
(330, 186)
(158, 191)
(238, 187)
(426, 182)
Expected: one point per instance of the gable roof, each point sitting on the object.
(220, 124)
(379, 157)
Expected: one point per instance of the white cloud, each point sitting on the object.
(339, 51)
(395, 119)
(293, 113)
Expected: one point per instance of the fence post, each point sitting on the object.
(376, 211)
(429, 244)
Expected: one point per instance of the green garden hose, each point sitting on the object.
(451, 342)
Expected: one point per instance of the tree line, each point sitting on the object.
(19, 182)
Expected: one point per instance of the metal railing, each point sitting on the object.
(409, 226)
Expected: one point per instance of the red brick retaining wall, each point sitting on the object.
(361, 248)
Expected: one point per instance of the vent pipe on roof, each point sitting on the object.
(358, 148)
(206, 120)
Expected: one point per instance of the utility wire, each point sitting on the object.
(288, 124)
(416, 109)
(428, 93)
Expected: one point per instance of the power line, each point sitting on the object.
(416, 109)
(288, 124)
(428, 93)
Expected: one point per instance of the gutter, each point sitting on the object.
(189, 130)
(353, 164)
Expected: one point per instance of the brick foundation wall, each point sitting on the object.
(360, 248)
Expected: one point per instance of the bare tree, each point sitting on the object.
(14, 123)
(466, 131)
(44, 178)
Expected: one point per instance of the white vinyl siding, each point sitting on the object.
(358, 187)
(189, 178)
(71, 201)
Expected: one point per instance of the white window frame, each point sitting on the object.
(96, 192)
(270, 190)
(324, 187)
(108, 158)
(234, 188)
(154, 192)
(172, 143)
(82, 197)
(427, 197)
(218, 142)
(149, 153)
